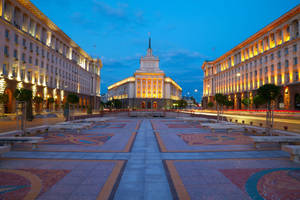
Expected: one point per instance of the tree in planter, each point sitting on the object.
(25, 95)
(3, 101)
(37, 101)
(246, 102)
(210, 104)
(269, 93)
(220, 100)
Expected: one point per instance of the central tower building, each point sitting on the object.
(149, 88)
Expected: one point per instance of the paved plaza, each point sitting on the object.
(148, 158)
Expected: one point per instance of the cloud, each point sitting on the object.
(119, 16)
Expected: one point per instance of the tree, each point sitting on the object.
(229, 103)
(246, 101)
(257, 101)
(210, 104)
(221, 101)
(3, 100)
(115, 103)
(181, 103)
(25, 95)
(72, 98)
(269, 93)
(37, 101)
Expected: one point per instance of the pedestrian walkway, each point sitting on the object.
(147, 172)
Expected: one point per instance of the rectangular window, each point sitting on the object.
(14, 71)
(24, 43)
(272, 68)
(29, 75)
(23, 57)
(6, 51)
(296, 76)
(286, 63)
(31, 46)
(279, 79)
(37, 50)
(295, 60)
(272, 56)
(286, 51)
(42, 64)
(295, 48)
(22, 74)
(36, 62)
(5, 69)
(266, 59)
(287, 78)
(278, 54)
(16, 39)
(30, 60)
(266, 69)
(279, 66)
(16, 54)
(6, 34)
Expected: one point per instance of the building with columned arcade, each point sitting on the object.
(269, 56)
(149, 88)
(37, 55)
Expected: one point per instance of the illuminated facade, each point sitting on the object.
(37, 55)
(269, 56)
(148, 88)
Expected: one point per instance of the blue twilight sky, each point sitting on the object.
(184, 33)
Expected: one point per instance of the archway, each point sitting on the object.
(148, 105)
(143, 105)
(297, 101)
(9, 106)
(154, 105)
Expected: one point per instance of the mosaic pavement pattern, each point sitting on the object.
(57, 179)
(110, 136)
(129, 158)
(191, 137)
(268, 179)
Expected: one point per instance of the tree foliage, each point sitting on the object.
(268, 92)
(258, 100)
(37, 100)
(23, 95)
(210, 104)
(220, 99)
(72, 98)
(181, 103)
(115, 103)
(246, 101)
(3, 98)
(50, 100)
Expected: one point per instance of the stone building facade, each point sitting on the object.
(149, 88)
(37, 55)
(269, 56)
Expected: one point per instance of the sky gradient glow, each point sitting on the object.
(184, 33)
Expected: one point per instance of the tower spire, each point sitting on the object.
(149, 34)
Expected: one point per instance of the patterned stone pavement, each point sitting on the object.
(148, 159)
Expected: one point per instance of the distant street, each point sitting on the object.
(292, 121)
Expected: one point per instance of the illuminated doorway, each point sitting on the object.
(154, 105)
(143, 105)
